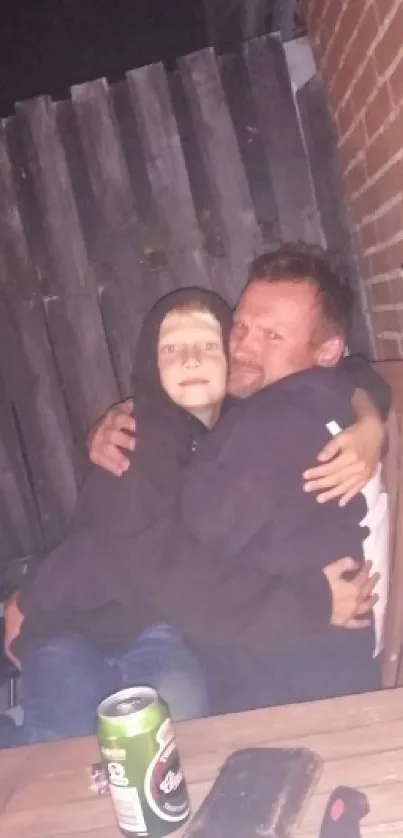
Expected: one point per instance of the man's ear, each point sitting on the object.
(330, 351)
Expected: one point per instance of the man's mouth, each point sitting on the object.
(239, 367)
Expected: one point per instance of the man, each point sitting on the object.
(243, 493)
(186, 582)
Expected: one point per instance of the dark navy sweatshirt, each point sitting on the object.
(243, 495)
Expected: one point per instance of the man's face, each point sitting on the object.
(278, 330)
(191, 359)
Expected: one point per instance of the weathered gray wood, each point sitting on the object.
(79, 342)
(159, 279)
(228, 182)
(20, 530)
(281, 136)
(206, 209)
(321, 148)
(166, 168)
(119, 263)
(242, 106)
(28, 367)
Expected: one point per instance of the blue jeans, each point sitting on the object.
(65, 679)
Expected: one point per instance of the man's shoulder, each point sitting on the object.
(315, 397)
(300, 387)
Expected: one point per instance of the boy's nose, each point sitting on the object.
(191, 357)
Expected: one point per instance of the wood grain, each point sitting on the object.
(360, 738)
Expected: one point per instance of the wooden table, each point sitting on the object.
(44, 789)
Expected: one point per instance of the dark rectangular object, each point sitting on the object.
(258, 792)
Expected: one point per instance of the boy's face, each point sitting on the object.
(191, 359)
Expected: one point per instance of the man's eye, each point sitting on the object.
(272, 335)
(211, 345)
(239, 326)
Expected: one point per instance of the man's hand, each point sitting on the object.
(350, 600)
(113, 432)
(348, 462)
(13, 619)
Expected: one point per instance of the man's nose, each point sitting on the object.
(243, 346)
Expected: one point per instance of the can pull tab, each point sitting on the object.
(344, 811)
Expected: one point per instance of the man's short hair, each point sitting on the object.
(299, 262)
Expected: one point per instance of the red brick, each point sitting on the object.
(349, 21)
(387, 321)
(356, 176)
(377, 111)
(365, 263)
(396, 287)
(394, 132)
(388, 349)
(369, 235)
(344, 77)
(344, 117)
(385, 145)
(388, 259)
(328, 21)
(358, 50)
(379, 293)
(396, 83)
(391, 223)
(391, 42)
(384, 8)
(364, 87)
(353, 144)
(387, 185)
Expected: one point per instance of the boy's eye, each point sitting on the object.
(169, 348)
(211, 345)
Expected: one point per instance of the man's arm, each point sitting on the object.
(227, 602)
(362, 374)
(348, 461)
(111, 436)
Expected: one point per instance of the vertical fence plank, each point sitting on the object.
(19, 521)
(79, 343)
(28, 367)
(321, 148)
(281, 135)
(216, 135)
(159, 279)
(206, 209)
(242, 106)
(118, 260)
(166, 168)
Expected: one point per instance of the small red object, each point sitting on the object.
(337, 810)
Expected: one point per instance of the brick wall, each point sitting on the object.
(358, 45)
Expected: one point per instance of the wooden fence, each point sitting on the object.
(114, 197)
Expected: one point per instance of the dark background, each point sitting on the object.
(46, 46)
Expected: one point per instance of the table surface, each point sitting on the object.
(44, 789)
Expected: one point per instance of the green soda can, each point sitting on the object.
(139, 751)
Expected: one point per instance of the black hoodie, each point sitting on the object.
(80, 584)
